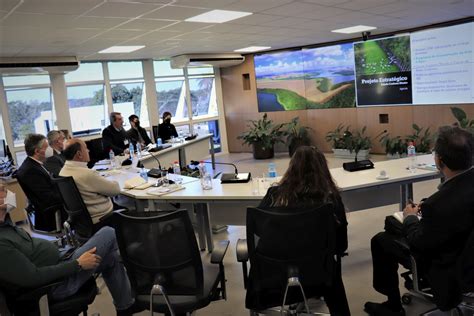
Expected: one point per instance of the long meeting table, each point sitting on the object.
(227, 203)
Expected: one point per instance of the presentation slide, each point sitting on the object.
(383, 71)
(442, 65)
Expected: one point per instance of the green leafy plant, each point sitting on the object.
(336, 137)
(264, 132)
(357, 141)
(421, 140)
(297, 135)
(392, 145)
(462, 120)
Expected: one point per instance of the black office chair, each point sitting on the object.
(79, 217)
(38, 301)
(96, 151)
(164, 264)
(155, 132)
(292, 257)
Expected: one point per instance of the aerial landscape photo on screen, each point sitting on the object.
(306, 79)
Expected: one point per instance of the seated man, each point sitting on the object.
(114, 136)
(166, 129)
(439, 237)
(95, 189)
(137, 134)
(55, 162)
(32, 262)
(36, 182)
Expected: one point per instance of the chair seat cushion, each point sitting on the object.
(186, 303)
(76, 303)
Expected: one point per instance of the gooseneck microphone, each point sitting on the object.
(235, 177)
(195, 163)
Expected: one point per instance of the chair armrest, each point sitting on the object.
(219, 251)
(37, 293)
(242, 250)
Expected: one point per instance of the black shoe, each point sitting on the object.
(135, 308)
(382, 309)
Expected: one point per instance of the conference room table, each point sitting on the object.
(182, 151)
(227, 203)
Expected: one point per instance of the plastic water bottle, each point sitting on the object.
(130, 148)
(411, 154)
(139, 150)
(272, 173)
(112, 159)
(144, 174)
(159, 142)
(177, 172)
(206, 180)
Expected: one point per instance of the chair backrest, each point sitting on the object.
(155, 132)
(96, 150)
(284, 242)
(78, 215)
(156, 246)
(466, 266)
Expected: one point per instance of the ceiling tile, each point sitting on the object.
(146, 24)
(122, 35)
(7, 5)
(44, 51)
(69, 7)
(187, 26)
(10, 50)
(326, 2)
(211, 4)
(158, 35)
(95, 22)
(36, 20)
(364, 4)
(255, 19)
(3, 13)
(119, 9)
(255, 29)
(175, 13)
(288, 21)
(324, 13)
(256, 5)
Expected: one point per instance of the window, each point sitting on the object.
(182, 130)
(210, 127)
(30, 111)
(201, 70)
(128, 99)
(163, 68)
(171, 97)
(203, 96)
(25, 80)
(86, 72)
(125, 70)
(87, 110)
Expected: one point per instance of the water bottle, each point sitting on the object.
(112, 159)
(272, 173)
(177, 172)
(206, 180)
(130, 148)
(411, 154)
(139, 150)
(144, 174)
(159, 142)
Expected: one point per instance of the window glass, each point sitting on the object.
(128, 99)
(25, 80)
(87, 110)
(125, 69)
(200, 70)
(20, 156)
(210, 127)
(86, 72)
(163, 68)
(182, 130)
(203, 96)
(171, 97)
(30, 111)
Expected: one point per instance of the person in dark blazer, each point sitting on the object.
(307, 183)
(438, 238)
(36, 182)
(137, 134)
(55, 162)
(166, 129)
(114, 136)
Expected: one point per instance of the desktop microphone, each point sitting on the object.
(195, 163)
(153, 172)
(229, 177)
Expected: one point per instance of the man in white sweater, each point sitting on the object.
(95, 189)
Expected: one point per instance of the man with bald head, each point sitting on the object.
(95, 189)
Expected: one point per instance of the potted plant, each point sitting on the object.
(297, 135)
(422, 141)
(394, 147)
(347, 144)
(462, 119)
(262, 135)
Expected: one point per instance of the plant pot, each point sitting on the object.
(295, 144)
(259, 152)
(346, 154)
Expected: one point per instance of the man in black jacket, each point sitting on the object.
(436, 240)
(114, 136)
(36, 182)
(55, 162)
(137, 134)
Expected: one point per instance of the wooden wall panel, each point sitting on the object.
(241, 105)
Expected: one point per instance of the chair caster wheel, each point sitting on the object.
(406, 299)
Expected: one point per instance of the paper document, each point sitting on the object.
(165, 190)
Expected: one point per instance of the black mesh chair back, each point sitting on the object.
(96, 150)
(285, 242)
(157, 247)
(78, 215)
(155, 132)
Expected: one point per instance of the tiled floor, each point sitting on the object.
(357, 267)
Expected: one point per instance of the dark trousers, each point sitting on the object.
(335, 297)
(387, 254)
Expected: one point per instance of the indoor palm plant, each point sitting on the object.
(394, 147)
(297, 135)
(349, 144)
(462, 120)
(262, 135)
(421, 140)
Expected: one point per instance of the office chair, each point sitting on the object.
(465, 279)
(38, 301)
(155, 132)
(96, 151)
(79, 217)
(164, 264)
(292, 257)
